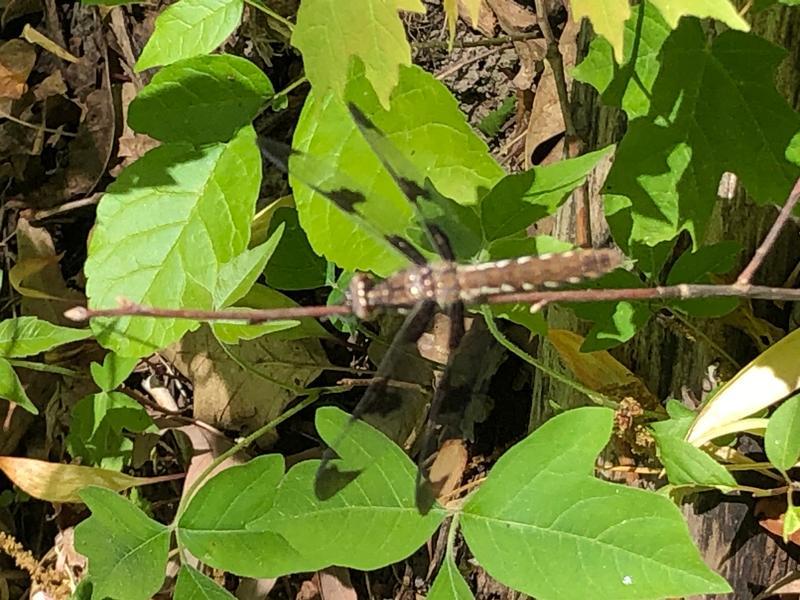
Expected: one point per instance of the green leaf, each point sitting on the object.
(540, 508)
(613, 322)
(11, 388)
(722, 10)
(782, 438)
(202, 100)
(95, 433)
(163, 230)
(520, 199)
(426, 125)
(491, 124)
(193, 585)
(608, 19)
(628, 85)
(261, 297)
(25, 336)
(791, 522)
(449, 584)
(189, 28)
(219, 525)
(295, 265)
(126, 549)
(114, 370)
(694, 268)
(793, 151)
(667, 169)
(377, 504)
(329, 33)
(238, 276)
(688, 465)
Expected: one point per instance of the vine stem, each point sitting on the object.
(271, 13)
(596, 397)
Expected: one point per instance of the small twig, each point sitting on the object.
(39, 215)
(403, 385)
(495, 41)
(772, 236)
(463, 63)
(5, 115)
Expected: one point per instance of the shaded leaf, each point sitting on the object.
(232, 90)
(191, 210)
(126, 549)
(449, 584)
(687, 465)
(189, 28)
(695, 267)
(295, 265)
(113, 372)
(540, 507)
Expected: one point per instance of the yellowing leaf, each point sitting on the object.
(596, 370)
(608, 19)
(473, 9)
(722, 10)
(773, 375)
(55, 482)
(451, 12)
(330, 32)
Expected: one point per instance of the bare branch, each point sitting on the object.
(772, 236)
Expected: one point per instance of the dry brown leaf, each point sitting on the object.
(596, 370)
(770, 513)
(56, 482)
(547, 120)
(514, 19)
(334, 584)
(229, 397)
(52, 85)
(470, 10)
(35, 37)
(486, 21)
(448, 468)
(17, 59)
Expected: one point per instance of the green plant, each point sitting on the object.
(174, 231)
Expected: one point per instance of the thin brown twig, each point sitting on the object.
(772, 236)
(495, 41)
(675, 292)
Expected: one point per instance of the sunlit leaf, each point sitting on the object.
(11, 388)
(449, 584)
(193, 585)
(377, 504)
(114, 370)
(772, 376)
(329, 33)
(782, 439)
(687, 465)
(164, 229)
(25, 336)
(189, 28)
(608, 19)
(721, 10)
(126, 549)
(55, 482)
(541, 507)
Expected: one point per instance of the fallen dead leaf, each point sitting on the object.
(17, 59)
(486, 21)
(27, 268)
(56, 482)
(332, 583)
(35, 37)
(448, 468)
(770, 513)
(52, 85)
(515, 19)
(547, 120)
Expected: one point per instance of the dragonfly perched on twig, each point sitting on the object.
(425, 287)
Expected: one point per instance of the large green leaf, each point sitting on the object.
(540, 508)
(628, 85)
(714, 108)
(25, 336)
(426, 125)
(520, 199)
(188, 28)
(126, 549)
(372, 521)
(330, 32)
(11, 388)
(782, 438)
(203, 99)
(163, 230)
(218, 525)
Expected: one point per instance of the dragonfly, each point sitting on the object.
(425, 287)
